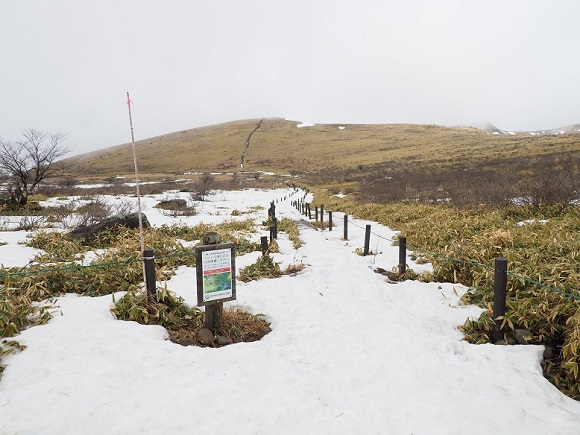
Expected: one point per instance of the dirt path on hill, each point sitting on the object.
(248, 142)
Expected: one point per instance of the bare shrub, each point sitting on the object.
(549, 186)
(31, 223)
(93, 212)
(124, 207)
(235, 180)
(204, 185)
(157, 188)
(482, 187)
(194, 197)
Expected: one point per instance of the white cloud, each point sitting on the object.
(67, 64)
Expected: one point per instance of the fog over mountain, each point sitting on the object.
(68, 65)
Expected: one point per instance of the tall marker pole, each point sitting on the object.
(141, 238)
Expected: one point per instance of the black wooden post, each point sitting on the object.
(499, 296)
(273, 207)
(213, 316)
(345, 227)
(329, 221)
(402, 255)
(321, 213)
(316, 213)
(309, 211)
(275, 228)
(149, 260)
(264, 243)
(367, 239)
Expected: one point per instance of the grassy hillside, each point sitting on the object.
(280, 146)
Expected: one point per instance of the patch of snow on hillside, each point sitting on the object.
(343, 127)
(305, 124)
(531, 221)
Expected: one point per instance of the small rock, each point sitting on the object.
(222, 340)
(205, 336)
(211, 238)
(501, 343)
(186, 341)
(511, 340)
(266, 330)
(549, 353)
(523, 336)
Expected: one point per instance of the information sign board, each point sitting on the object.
(216, 273)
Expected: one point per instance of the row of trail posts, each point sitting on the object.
(215, 267)
(304, 209)
(500, 264)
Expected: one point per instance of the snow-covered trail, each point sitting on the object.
(349, 353)
(398, 356)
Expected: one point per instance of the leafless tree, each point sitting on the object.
(204, 185)
(31, 160)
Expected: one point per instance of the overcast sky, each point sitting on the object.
(67, 64)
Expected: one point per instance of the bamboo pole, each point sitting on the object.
(141, 237)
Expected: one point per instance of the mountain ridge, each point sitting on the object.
(287, 145)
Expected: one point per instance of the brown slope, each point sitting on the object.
(279, 145)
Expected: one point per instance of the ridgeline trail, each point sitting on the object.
(248, 141)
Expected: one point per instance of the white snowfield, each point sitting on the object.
(350, 353)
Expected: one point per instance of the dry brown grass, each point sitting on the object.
(279, 146)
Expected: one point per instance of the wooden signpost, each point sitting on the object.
(216, 277)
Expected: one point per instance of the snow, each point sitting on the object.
(305, 124)
(349, 353)
(341, 127)
(14, 253)
(531, 222)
